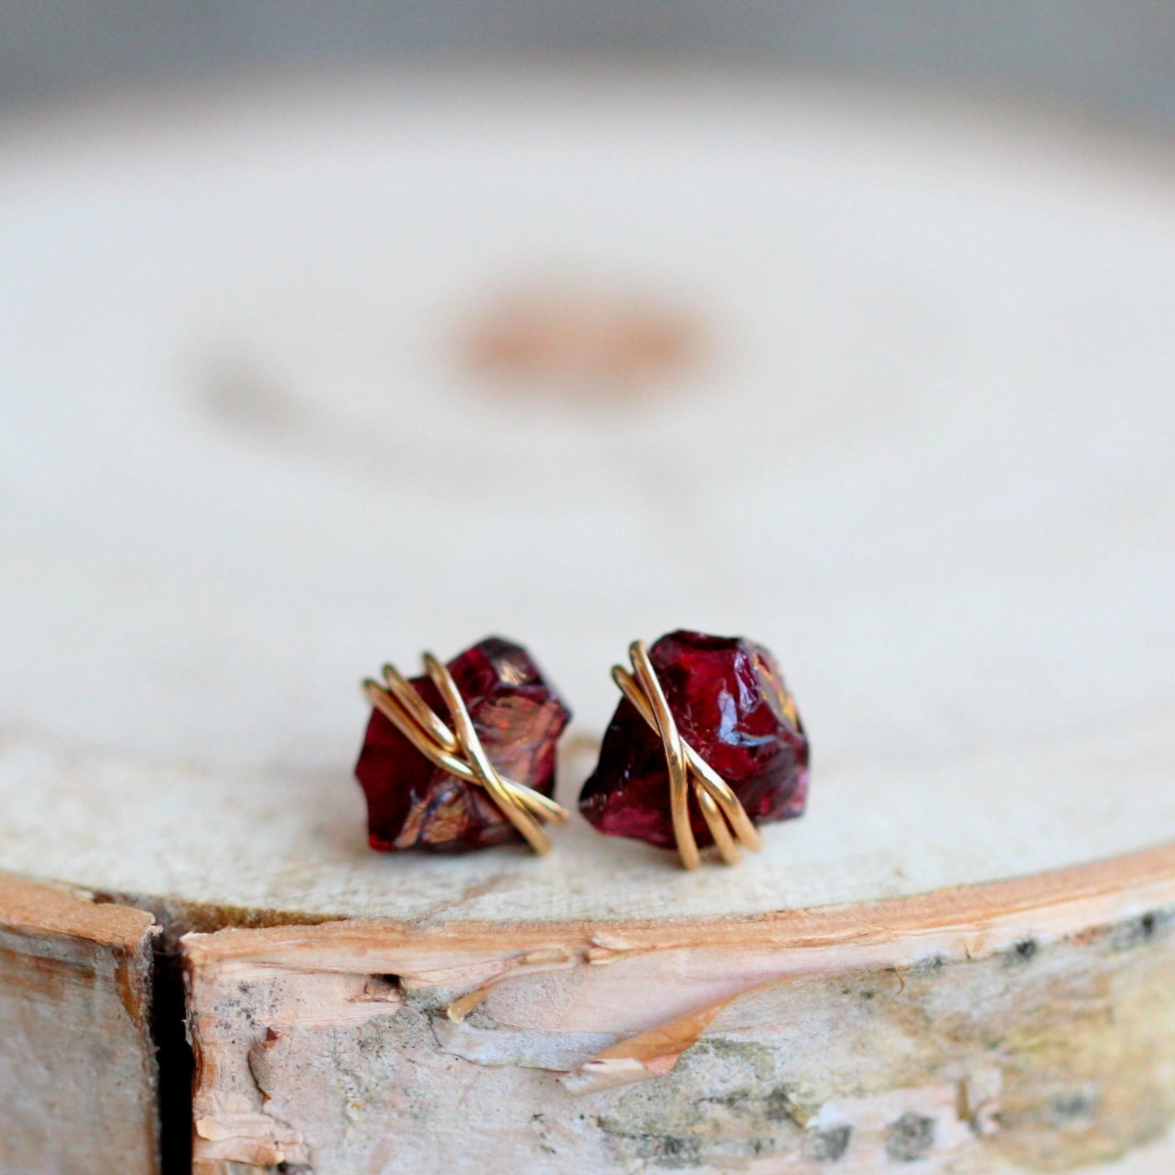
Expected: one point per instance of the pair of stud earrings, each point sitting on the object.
(705, 745)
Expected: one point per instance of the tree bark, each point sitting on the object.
(1018, 1026)
(77, 1067)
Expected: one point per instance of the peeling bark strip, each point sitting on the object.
(77, 1069)
(1022, 1026)
(651, 1054)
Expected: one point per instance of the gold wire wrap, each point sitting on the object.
(727, 819)
(459, 751)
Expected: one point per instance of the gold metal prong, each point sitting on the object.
(415, 705)
(689, 773)
(679, 779)
(719, 829)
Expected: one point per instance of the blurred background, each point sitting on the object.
(332, 331)
(303, 307)
(1113, 57)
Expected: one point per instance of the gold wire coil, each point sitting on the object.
(459, 751)
(727, 819)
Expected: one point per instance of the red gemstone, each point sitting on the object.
(518, 716)
(730, 703)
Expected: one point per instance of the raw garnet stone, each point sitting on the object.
(731, 705)
(518, 716)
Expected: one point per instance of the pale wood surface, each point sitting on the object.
(77, 1067)
(926, 458)
(920, 446)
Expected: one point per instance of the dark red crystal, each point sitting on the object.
(518, 716)
(730, 703)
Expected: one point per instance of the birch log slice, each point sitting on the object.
(296, 383)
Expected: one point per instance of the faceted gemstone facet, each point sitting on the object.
(412, 804)
(730, 704)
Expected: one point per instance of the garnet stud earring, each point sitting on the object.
(483, 777)
(706, 719)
